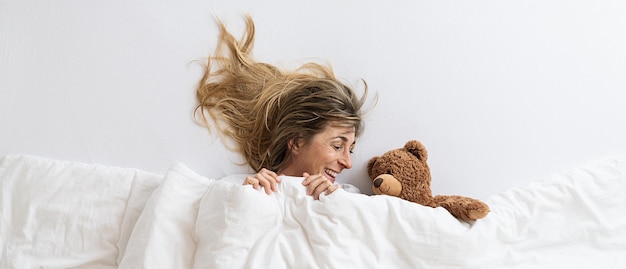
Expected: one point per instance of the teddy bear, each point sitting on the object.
(404, 173)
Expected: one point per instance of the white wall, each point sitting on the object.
(501, 93)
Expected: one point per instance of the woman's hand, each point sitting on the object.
(317, 184)
(264, 178)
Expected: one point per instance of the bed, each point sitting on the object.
(520, 104)
(62, 214)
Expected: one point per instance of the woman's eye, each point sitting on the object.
(342, 147)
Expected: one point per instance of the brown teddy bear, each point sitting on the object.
(404, 173)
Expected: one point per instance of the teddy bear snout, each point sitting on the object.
(386, 184)
(378, 181)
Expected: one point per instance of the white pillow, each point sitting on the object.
(61, 214)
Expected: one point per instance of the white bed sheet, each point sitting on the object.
(573, 219)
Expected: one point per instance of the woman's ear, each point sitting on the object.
(294, 146)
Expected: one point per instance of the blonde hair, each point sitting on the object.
(262, 108)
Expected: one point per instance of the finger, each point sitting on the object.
(269, 181)
(332, 189)
(305, 181)
(251, 181)
(267, 184)
(272, 177)
(312, 179)
(312, 182)
(270, 174)
(323, 186)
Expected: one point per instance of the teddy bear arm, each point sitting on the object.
(463, 208)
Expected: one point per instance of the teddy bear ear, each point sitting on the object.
(370, 165)
(416, 148)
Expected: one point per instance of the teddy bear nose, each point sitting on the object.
(378, 181)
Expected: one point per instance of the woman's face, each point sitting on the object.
(327, 153)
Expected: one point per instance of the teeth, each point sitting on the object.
(331, 172)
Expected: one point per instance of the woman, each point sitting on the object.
(302, 123)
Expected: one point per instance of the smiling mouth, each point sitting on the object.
(331, 174)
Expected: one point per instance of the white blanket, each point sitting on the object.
(59, 214)
(572, 220)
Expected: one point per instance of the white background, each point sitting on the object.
(501, 92)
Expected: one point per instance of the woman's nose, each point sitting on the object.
(346, 160)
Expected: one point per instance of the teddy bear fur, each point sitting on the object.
(404, 173)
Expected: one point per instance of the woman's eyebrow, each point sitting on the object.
(344, 139)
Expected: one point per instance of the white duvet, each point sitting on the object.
(574, 219)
